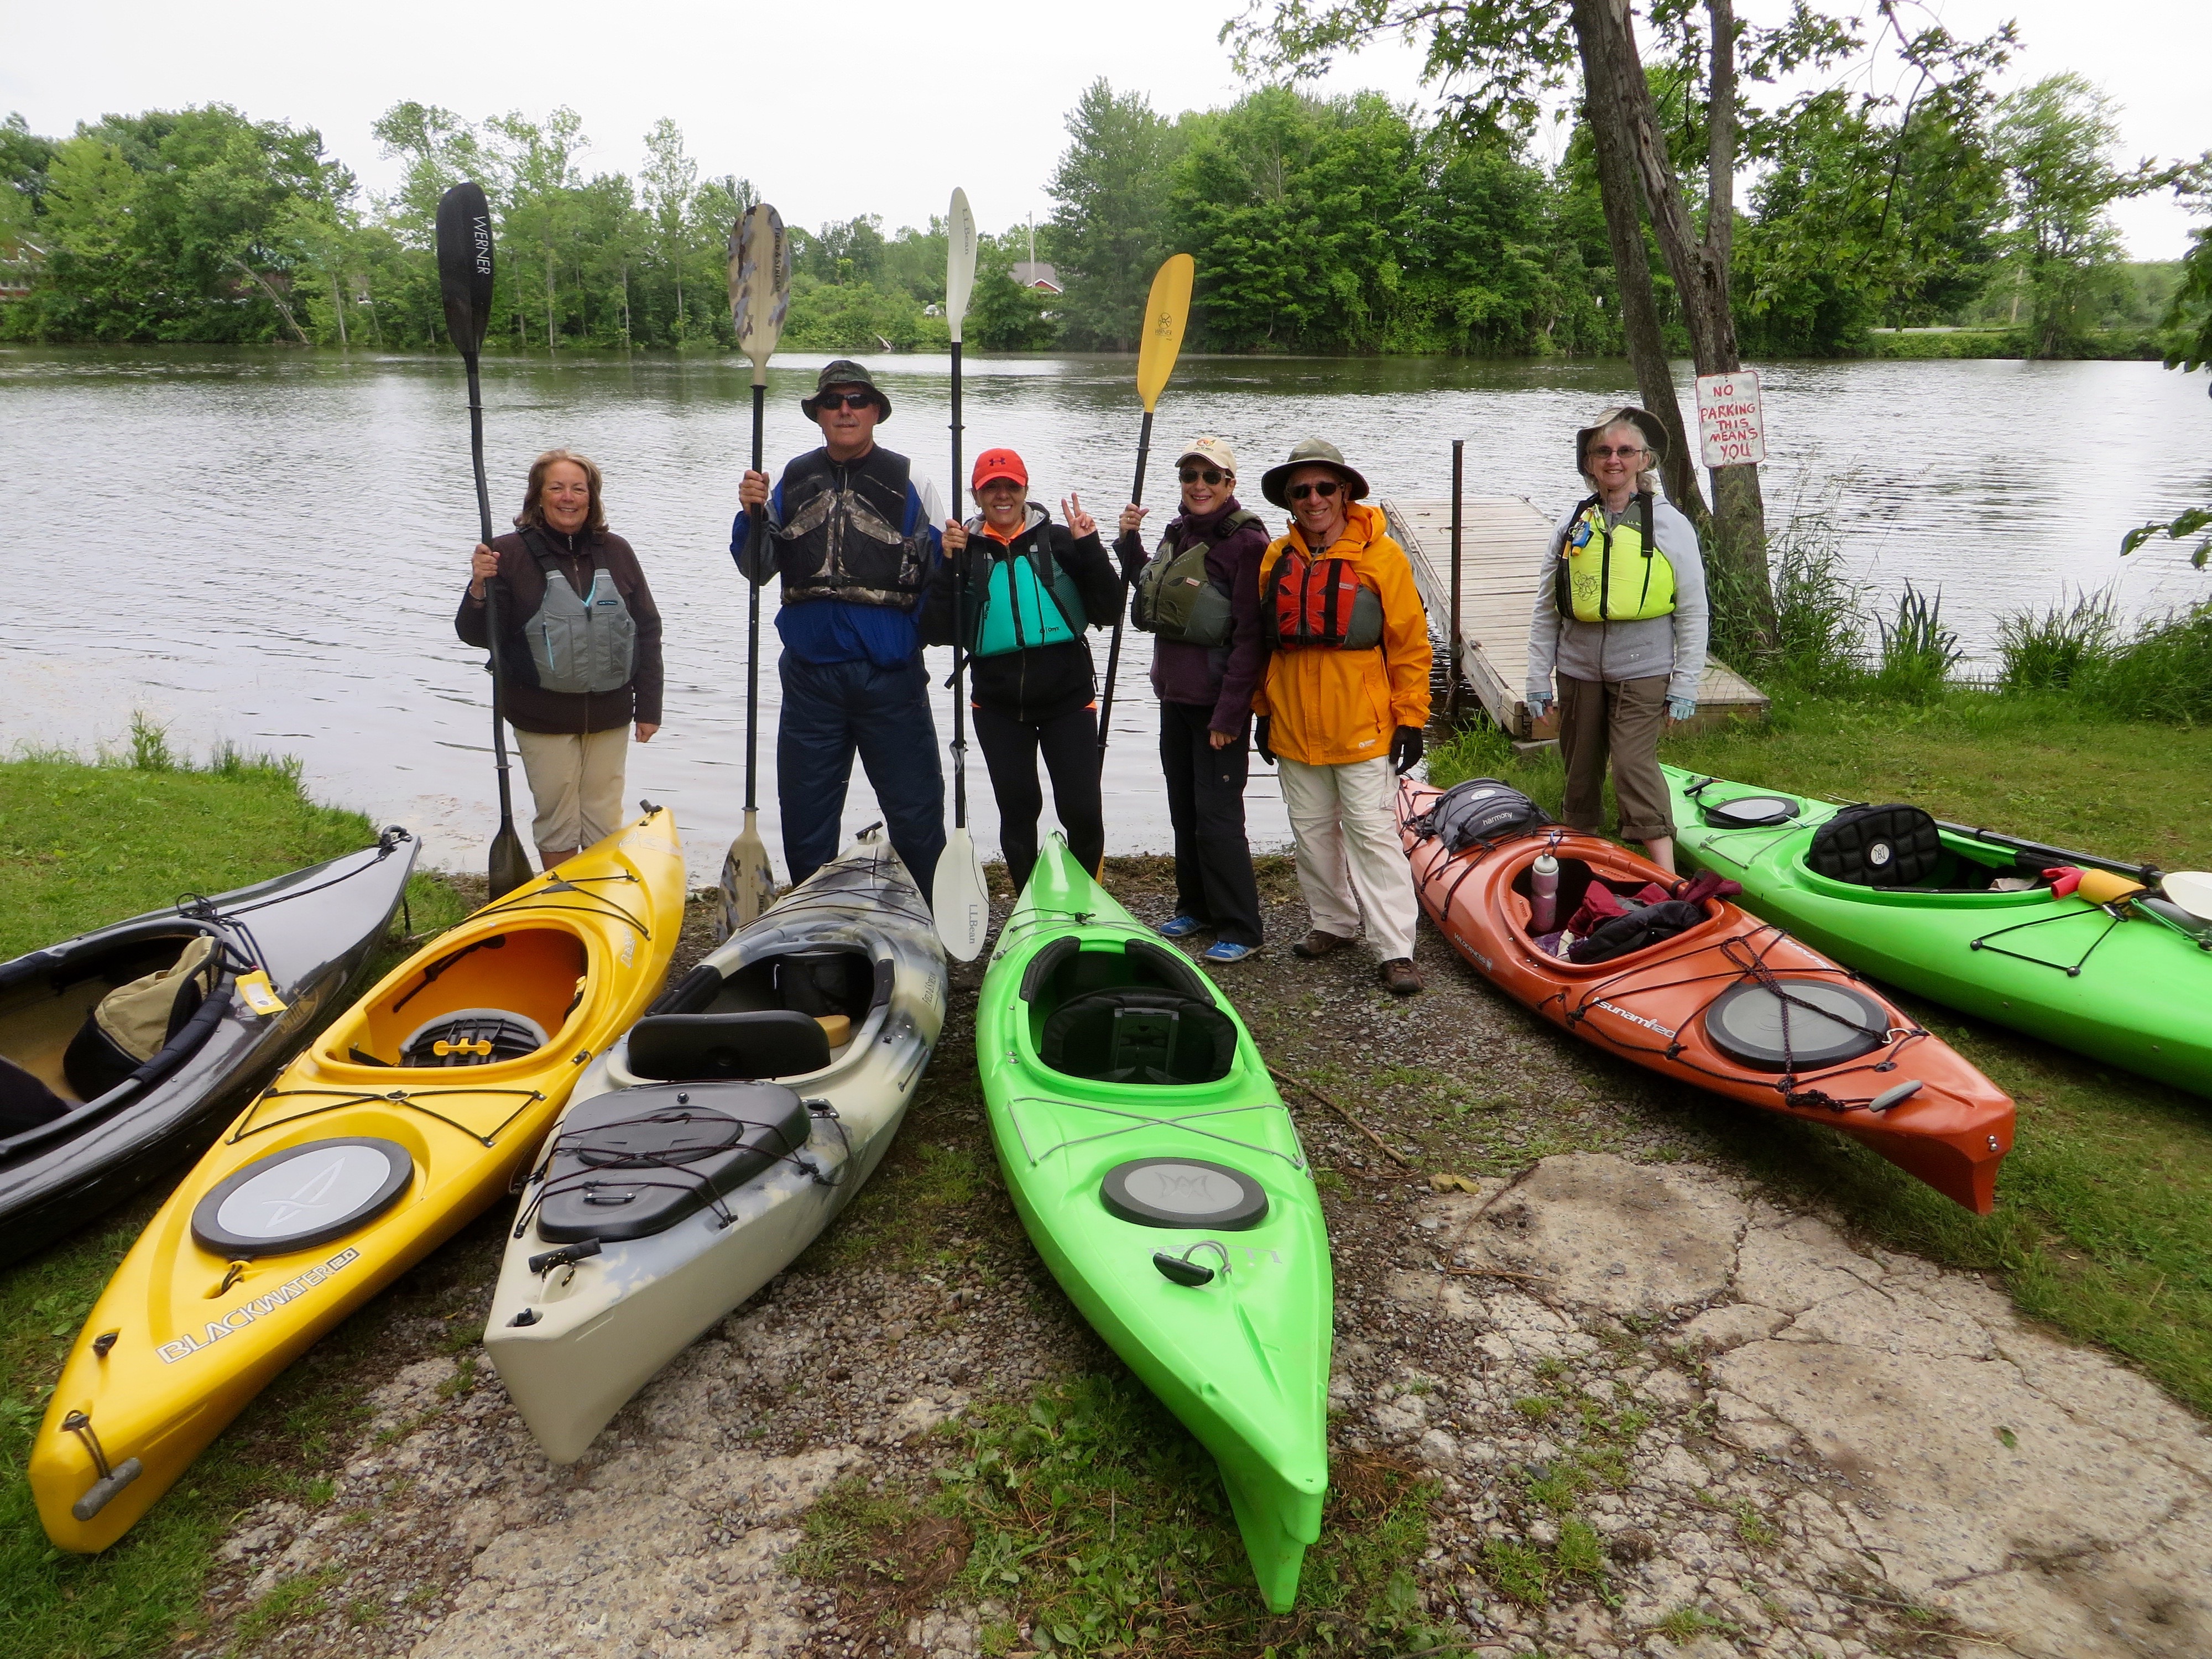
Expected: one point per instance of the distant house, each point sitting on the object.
(1036, 274)
(20, 260)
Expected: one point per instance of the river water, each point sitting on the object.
(265, 548)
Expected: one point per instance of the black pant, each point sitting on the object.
(1206, 804)
(1070, 745)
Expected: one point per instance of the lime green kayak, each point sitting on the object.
(2125, 982)
(1162, 1181)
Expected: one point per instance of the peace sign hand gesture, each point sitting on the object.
(1080, 523)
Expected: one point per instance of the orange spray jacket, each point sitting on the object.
(1326, 707)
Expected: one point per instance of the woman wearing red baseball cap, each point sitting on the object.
(1033, 587)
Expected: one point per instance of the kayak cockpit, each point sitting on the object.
(841, 987)
(1125, 1010)
(495, 997)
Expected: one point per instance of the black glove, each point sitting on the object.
(1406, 749)
(1259, 740)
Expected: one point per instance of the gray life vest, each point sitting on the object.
(582, 646)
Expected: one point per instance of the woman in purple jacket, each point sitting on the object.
(1209, 650)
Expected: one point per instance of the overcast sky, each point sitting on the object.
(845, 107)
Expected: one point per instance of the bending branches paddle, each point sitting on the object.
(465, 271)
(957, 898)
(1166, 312)
(760, 294)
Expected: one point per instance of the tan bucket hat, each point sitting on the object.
(1655, 435)
(1314, 452)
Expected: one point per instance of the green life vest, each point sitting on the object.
(1616, 575)
(1027, 600)
(1178, 601)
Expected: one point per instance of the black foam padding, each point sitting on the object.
(95, 1063)
(1183, 1192)
(1749, 812)
(768, 1042)
(637, 1162)
(1796, 1025)
(1138, 1034)
(1044, 962)
(25, 1102)
(302, 1197)
(1891, 845)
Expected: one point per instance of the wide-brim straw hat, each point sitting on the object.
(1314, 452)
(1655, 435)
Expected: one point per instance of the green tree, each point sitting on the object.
(670, 185)
(1002, 314)
(1108, 232)
(539, 226)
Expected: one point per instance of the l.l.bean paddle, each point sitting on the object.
(958, 896)
(465, 273)
(760, 294)
(1166, 312)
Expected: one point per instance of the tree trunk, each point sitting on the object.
(550, 297)
(1700, 266)
(337, 309)
(275, 299)
(1632, 271)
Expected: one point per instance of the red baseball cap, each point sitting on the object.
(998, 463)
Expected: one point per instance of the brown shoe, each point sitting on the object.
(1400, 977)
(1317, 944)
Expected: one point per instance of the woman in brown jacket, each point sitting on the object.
(579, 651)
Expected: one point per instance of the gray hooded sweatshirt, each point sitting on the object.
(1672, 645)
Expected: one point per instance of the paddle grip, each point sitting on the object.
(1114, 649)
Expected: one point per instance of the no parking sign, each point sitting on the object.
(1729, 420)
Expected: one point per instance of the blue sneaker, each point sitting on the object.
(1222, 951)
(1179, 926)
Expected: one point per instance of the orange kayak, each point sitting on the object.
(1731, 1004)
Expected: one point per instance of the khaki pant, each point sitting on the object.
(576, 780)
(1619, 719)
(1350, 859)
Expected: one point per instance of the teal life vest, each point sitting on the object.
(1024, 597)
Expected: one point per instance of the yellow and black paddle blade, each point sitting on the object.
(1166, 312)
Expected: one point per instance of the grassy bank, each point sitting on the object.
(2143, 344)
(2104, 1217)
(81, 846)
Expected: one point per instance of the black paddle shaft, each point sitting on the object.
(959, 624)
(1114, 649)
(759, 529)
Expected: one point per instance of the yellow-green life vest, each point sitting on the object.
(1616, 575)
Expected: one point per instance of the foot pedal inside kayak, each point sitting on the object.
(473, 1037)
(1795, 1024)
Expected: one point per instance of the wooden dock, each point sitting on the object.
(1503, 542)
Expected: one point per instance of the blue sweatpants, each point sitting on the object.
(829, 709)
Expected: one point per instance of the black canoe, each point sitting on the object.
(84, 1124)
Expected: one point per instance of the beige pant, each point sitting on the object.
(576, 779)
(1617, 720)
(1350, 859)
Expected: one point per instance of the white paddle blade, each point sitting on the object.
(748, 881)
(959, 265)
(760, 280)
(960, 902)
(2192, 889)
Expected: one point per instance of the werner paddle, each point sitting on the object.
(464, 281)
(1166, 312)
(957, 895)
(760, 294)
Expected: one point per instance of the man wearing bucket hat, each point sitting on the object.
(854, 535)
(1620, 615)
(1199, 596)
(1032, 588)
(1343, 703)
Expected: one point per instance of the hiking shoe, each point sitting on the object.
(1179, 926)
(1399, 976)
(1317, 944)
(1223, 951)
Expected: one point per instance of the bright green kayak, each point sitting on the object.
(1161, 1179)
(2120, 983)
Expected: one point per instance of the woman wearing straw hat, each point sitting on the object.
(1620, 615)
(1343, 703)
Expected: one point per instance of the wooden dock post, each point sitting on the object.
(1459, 493)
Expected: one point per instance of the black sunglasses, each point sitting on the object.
(836, 400)
(1192, 474)
(1325, 489)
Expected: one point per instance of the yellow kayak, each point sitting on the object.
(413, 1111)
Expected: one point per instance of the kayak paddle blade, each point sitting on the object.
(760, 282)
(959, 899)
(510, 864)
(1165, 314)
(2192, 889)
(464, 264)
(748, 879)
(959, 265)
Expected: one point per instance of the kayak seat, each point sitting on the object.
(765, 1043)
(1891, 845)
(134, 1022)
(818, 981)
(1065, 969)
(637, 1162)
(1138, 1034)
(25, 1102)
